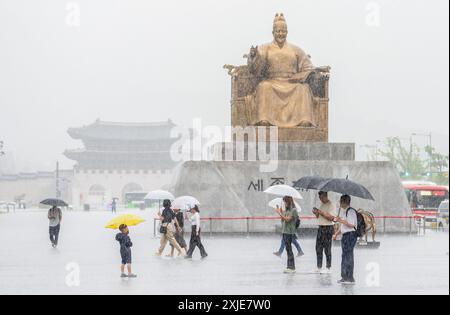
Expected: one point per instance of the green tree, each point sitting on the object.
(406, 158)
(439, 165)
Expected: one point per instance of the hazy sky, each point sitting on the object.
(141, 60)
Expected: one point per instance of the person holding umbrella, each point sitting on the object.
(114, 205)
(289, 218)
(325, 215)
(348, 229)
(55, 218)
(122, 223)
(179, 232)
(195, 234)
(125, 251)
(167, 217)
(275, 203)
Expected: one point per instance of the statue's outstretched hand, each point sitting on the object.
(253, 52)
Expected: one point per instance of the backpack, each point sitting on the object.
(361, 230)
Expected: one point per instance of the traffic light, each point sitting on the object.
(405, 174)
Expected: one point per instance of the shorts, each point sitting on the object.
(126, 258)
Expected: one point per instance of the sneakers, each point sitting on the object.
(278, 254)
(187, 257)
(289, 271)
(321, 271)
(347, 282)
(132, 275)
(300, 254)
(123, 275)
(204, 257)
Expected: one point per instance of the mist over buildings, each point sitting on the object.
(146, 61)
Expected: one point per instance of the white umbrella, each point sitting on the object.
(284, 190)
(278, 202)
(185, 202)
(159, 195)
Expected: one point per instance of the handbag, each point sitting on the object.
(163, 229)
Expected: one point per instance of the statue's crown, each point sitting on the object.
(279, 17)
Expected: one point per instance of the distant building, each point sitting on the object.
(123, 146)
(116, 159)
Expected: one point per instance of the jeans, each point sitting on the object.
(349, 241)
(196, 241)
(54, 234)
(324, 243)
(289, 239)
(294, 241)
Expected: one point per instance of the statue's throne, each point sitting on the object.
(243, 84)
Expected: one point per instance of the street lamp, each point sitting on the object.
(373, 147)
(430, 154)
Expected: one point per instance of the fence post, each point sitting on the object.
(210, 227)
(410, 225)
(437, 222)
(248, 227)
(424, 225)
(384, 225)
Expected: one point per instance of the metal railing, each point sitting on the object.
(418, 222)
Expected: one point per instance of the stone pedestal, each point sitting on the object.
(284, 151)
(236, 189)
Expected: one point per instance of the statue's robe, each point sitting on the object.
(278, 101)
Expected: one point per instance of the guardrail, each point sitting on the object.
(412, 220)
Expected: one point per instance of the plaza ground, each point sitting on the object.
(236, 264)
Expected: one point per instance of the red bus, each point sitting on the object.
(425, 198)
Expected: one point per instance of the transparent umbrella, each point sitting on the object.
(159, 195)
(283, 190)
(185, 202)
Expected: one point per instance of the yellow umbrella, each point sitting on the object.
(127, 219)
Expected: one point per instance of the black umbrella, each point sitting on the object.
(309, 182)
(345, 187)
(54, 202)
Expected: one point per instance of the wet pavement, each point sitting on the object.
(87, 262)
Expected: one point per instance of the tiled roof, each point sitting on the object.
(101, 130)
